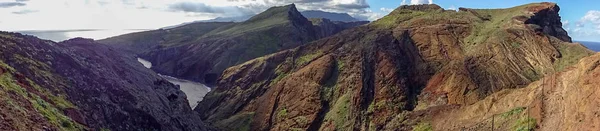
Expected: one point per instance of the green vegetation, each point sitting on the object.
(396, 17)
(305, 59)
(374, 106)
(302, 120)
(340, 65)
(258, 45)
(525, 124)
(423, 126)
(280, 74)
(239, 122)
(49, 111)
(514, 111)
(571, 54)
(339, 112)
(269, 18)
(282, 113)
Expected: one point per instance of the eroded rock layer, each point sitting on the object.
(393, 72)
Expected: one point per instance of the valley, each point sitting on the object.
(194, 91)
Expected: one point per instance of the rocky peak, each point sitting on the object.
(546, 16)
(288, 12)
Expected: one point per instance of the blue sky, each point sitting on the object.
(572, 12)
(581, 18)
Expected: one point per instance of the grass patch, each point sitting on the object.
(339, 112)
(525, 124)
(269, 18)
(49, 111)
(238, 122)
(571, 54)
(282, 113)
(305, 59)
(302, 120)
(514, 111)
(280, 75)
(423, 126)
(396, 17)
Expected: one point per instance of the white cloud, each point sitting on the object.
(592, 16)
(452, 8)
(566, 23)
(386, 10)
(148, 14)
(590, 19)
(417, 2)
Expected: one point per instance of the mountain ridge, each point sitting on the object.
(202, 57)
(343, 17)
(371, 77)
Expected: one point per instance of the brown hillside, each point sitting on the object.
(405, 65)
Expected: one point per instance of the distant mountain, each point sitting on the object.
(201, 51)
(229, 19)
(79, 84)
(218, 19)
(595, 46)
(329, 15)
(344, 17)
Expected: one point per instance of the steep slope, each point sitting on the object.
(343, 17)
(203, 56)
(373, 77)
(81, 85)
(562, 101)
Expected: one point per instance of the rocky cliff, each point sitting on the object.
(391, 73)
(79, 84)
(202, 56)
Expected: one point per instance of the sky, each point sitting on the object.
(103, 18)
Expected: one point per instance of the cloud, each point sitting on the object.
(386, 9)
(592, 16)
(452, 7)
(355, 8)
(566, 23)
(122, 14)
(417, 2)
(579, 24)
(578, 32)
(11, 4)
(22, 12)
(195, 7)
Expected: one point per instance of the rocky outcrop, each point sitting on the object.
(560, 101)
(391, 73)
(79, 84)
(206, 55)
(546, 17)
